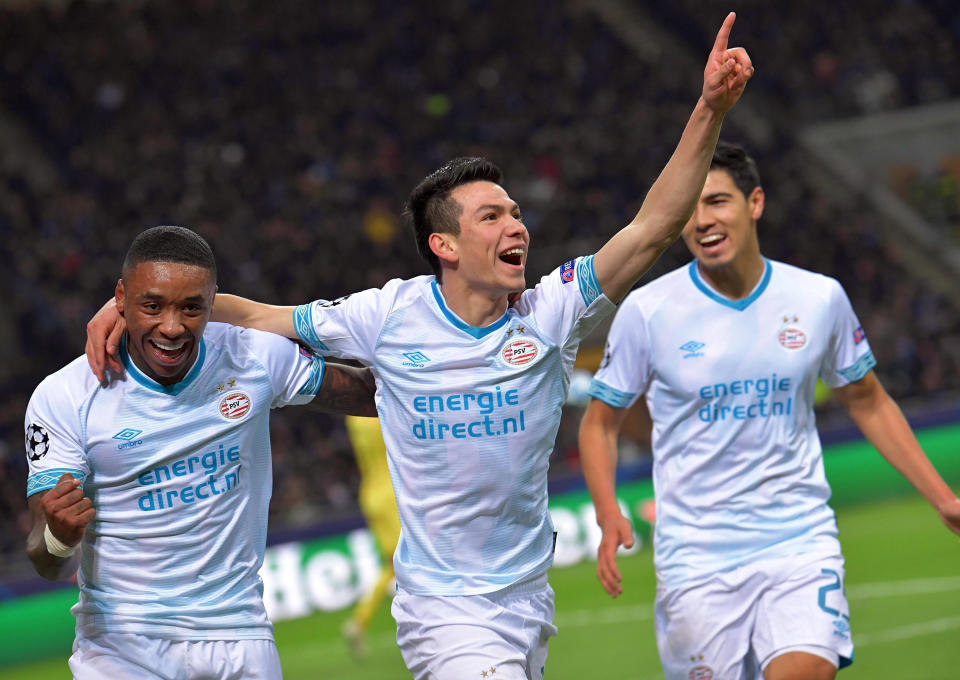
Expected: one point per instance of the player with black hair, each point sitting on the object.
(155, 485)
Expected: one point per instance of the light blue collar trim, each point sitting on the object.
(475, 331)
(738, 305)
(150, 383)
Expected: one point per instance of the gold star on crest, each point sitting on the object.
(509, 332)
(232, 382)
(521, 329)
(786, 319)
(493, 669)
(483, 674)
(795, 319)
(220, 387)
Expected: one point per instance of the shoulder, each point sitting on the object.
(244, 342)
(649, 296)
(805, 281)
(66, 389)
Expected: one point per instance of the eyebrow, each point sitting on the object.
(158, 296)
(717, 194)
(496, 207)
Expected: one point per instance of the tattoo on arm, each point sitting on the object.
(347, 390)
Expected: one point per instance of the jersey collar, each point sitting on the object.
(738, 305)
(151, 384)
(475, 331)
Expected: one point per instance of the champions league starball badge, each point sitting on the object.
(37, 441)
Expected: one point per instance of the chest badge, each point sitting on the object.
(791, 336)
(235, 405)
(520, 351)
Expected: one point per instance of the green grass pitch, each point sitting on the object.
(903, 583)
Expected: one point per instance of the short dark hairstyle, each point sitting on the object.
(741, 168)
(430, 208)
(169, 244)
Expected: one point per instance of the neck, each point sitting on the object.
(737, 279)
(475, 307)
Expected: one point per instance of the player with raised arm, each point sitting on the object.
(727, 351)
(471, 376)
(156, 485)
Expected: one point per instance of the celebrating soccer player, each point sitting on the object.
(472, 371)
(727, 351)
(157, 485)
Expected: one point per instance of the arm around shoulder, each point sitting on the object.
(239, 311)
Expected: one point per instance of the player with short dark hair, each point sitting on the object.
(727, 351)
(472, 371)
(156, 485)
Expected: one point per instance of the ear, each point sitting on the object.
(755, 202)
(444, 246)
(118, 295)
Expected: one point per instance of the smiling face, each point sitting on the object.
(166, 306)
(490, 252)
(723, 229)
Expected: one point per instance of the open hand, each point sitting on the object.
(617, 531)
(104, 331)
(727, 71)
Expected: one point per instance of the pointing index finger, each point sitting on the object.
(724, 35)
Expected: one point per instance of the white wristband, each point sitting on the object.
(55, 546)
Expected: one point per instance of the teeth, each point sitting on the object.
(168, 348)
(712, 238)
(513, 251)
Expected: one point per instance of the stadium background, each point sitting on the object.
(289, 134)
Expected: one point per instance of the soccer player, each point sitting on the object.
(727, 351)
(471, 377)
(156, 485)
(380, 511)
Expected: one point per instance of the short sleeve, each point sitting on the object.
(567, 303)
(53, 438)
(295, 372)
(849, 357)
(347, 327)
(625, 369)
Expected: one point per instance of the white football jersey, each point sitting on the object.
(738, 471)
(469, 416)
(180, 477)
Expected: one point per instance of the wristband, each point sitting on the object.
(56, 547)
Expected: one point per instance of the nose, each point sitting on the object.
(517, 228)
(170, 323)
(701, 218)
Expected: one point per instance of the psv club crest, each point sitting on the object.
(235, 405)
(791, 336)
(520, 351)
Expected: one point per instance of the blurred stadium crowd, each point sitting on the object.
(289, 134)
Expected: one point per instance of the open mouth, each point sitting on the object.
(169, 352)
(513, 256)
(711, 241)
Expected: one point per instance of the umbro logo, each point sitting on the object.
(692, 349)
(129, 438)
(415, 359)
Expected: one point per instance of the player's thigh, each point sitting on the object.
(449, 638)
(804, 613)
(123, 655)
(703, 629)
(800, 665)
(233, 660)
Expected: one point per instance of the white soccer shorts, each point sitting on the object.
(124, 655)
(730, 625)
(496, 636)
